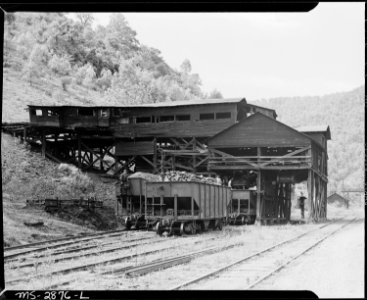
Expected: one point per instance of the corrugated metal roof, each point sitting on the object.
(192, 102)
(162, 104)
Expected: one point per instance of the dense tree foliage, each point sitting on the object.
(108, 59)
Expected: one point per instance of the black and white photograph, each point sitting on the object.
(178, 151)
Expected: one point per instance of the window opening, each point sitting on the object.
(166, 118)
(52, 113)
(87, 112)
(104, 112)
(183, 117)
(116, 112)
(223, 115)
(143, 119)
(207, 116)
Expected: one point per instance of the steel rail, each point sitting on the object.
(74, 241)
(109, 250)
(103, 262)
(77, 249)
(60, 240)
(272, 272)
(157, 264)
(172, 261)
(222, 269)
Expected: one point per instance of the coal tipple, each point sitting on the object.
(227, 138)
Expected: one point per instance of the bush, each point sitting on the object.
(60, 65)
(80, 74)
(90, 76)
(65, 81)
(104, 82)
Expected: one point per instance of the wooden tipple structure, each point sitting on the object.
(213, 136)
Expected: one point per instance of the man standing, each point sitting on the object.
(301, 200)
(124, 187)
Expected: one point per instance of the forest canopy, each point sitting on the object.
(109, 59)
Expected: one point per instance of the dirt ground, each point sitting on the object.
(333, 269)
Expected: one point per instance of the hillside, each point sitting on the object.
(25, 175)
(344, 113)
(17, 94)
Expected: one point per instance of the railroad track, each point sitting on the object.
(64, 245)
(125, 245)
(155, 265)
(27, 275)
(55, 242)
(255, 268)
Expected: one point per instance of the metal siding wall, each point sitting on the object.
(196, 194)
(199, 201)
(218, 201)
(205, 201)
(213, 200)
(210, 197)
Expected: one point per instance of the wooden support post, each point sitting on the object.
(117, 207)
(309, 196)
(258, 197)
(192, 207)
(101, 158)
(308, 200)
(43, 141)
(313, 195)
(161, 206)
(131, 203)
(22, 136)
(155, 155)
(175, 207)
(162, 162)
(79, 153)
(325, 199)
(145, 202)
(258, 190)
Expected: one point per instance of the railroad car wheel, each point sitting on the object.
(204, 227)
(128, 224)
(158, 228)
(220, 225)
(170, 232)
(182, 228)
(193, 228)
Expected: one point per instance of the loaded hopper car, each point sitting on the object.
(176, 207)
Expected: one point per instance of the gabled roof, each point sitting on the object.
(335, 197)
(259, 130)
(316, 129)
